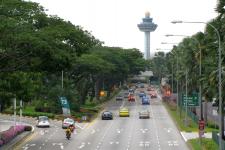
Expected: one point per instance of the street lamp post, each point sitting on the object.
(219, 76)
(172, 78)
(186, 91)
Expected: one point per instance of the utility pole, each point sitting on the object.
(177, 89)
(21, 105)
(14, 102)
(186, 97)
(62, 79)
(172, 78)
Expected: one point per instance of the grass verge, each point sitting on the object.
(179, 118)
(206, 144)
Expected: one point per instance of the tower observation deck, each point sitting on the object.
(147, 26)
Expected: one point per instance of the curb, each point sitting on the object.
(23, 139)
(183, 137)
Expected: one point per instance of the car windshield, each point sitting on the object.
(43, 118)
(144, 111)
(106, 113)
(68, 120)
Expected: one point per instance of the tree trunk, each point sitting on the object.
(92, 94)
(83, 95)
(97, 90)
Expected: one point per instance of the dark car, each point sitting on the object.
(131, 90)
(145, 100)
(107, 115)
(142, 94)
(126, 94)
(142, 85)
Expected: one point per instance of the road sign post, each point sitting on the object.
(201, 127)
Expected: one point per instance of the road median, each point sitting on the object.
(18, 139)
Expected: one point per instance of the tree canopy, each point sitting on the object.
(35, 48)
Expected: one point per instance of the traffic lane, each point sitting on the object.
(121, 132)
(92, 136)
(169, 136)
(46, 138)
(97, 130)
(144, 133)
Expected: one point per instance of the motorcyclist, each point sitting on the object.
(68, 132)
(72, 128)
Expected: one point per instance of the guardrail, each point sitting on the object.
(215, 137)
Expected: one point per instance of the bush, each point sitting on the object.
(212, 125)
(75, 107)
(8, 135)
(27, 128)
(36, 114)
(42, 107)
(18, 129)
(1, 142)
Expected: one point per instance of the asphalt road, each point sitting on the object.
(4, 124)
(121, 133)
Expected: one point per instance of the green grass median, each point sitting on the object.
(179, 119)
(206, 144)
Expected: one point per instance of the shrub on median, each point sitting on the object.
(27, 128)
(13, 131)
(36, 114)
(1, 142)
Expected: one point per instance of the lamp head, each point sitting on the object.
(168, 35)
(176, 21)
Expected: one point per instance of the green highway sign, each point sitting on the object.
(190, 100)
(65, 105)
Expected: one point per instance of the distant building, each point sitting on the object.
(147, 26)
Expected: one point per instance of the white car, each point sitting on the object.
(144, 114)
(67, 122)
(43, 121)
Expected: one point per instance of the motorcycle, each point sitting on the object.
(68, 135)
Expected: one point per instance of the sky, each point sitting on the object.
(115, 21)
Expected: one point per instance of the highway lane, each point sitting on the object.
(123, 133)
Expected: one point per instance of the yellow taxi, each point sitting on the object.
(124, 112)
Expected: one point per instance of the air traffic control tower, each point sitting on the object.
(147, 26)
